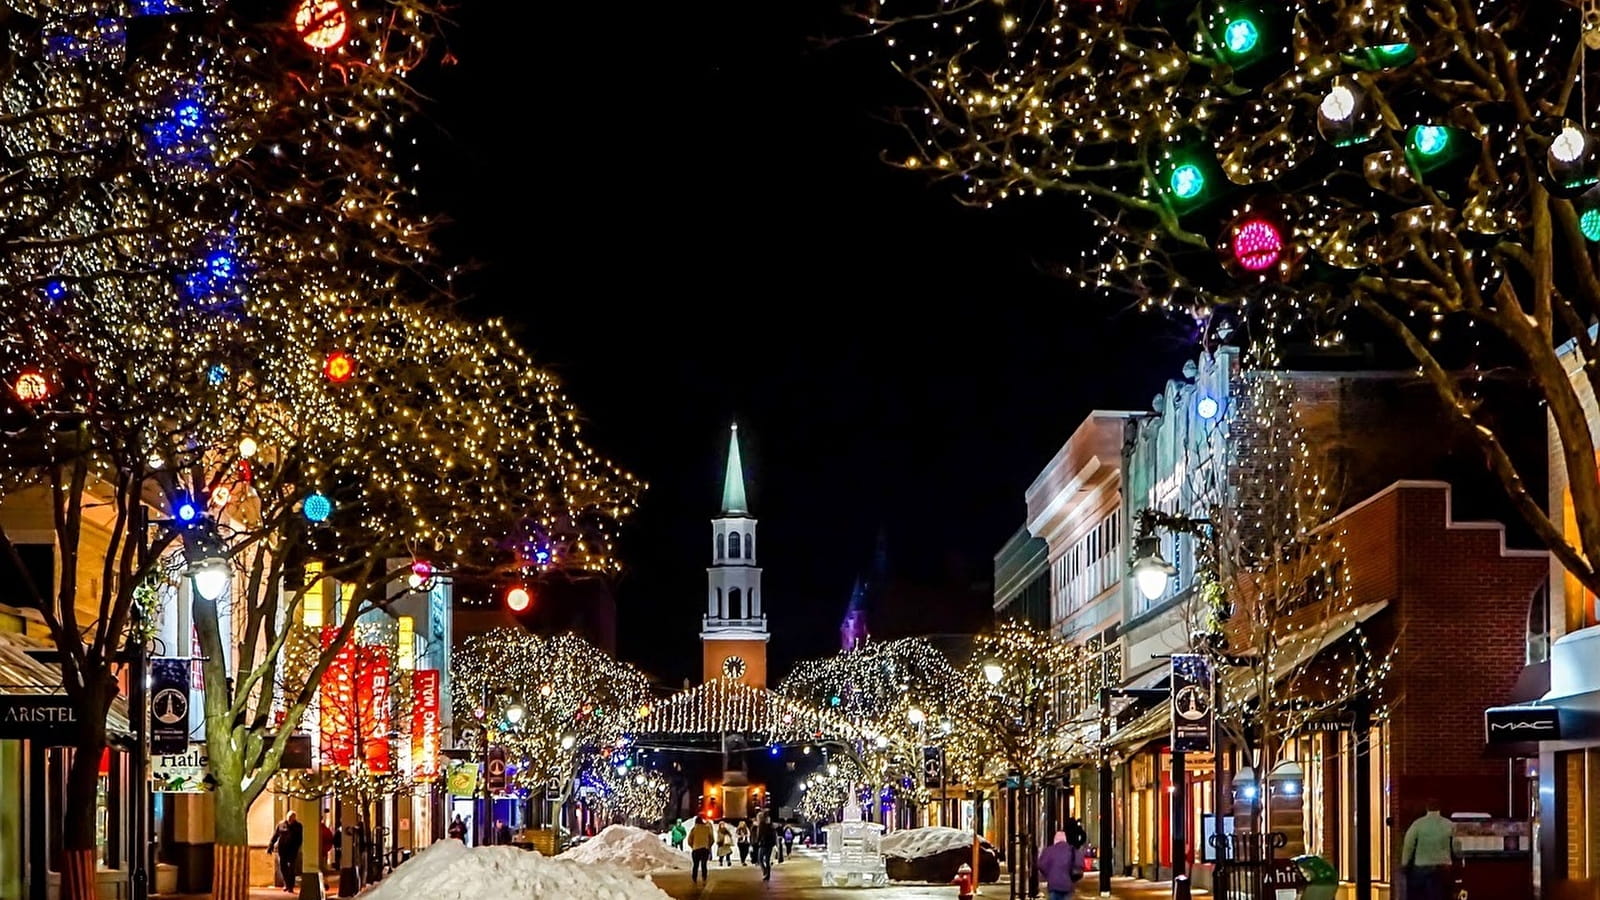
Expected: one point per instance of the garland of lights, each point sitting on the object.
(1326, 171)
(724, 705)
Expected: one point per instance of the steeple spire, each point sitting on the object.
(733, 502)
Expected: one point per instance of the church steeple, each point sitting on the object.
(733, 631)
(733, 502)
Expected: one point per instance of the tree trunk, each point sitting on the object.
(78, 822)
(231, 876)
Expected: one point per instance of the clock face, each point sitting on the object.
(733, 667)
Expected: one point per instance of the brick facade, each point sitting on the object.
(1457, 618)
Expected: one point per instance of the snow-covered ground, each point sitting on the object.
(450, 871)
(915, 843)
(626, 847)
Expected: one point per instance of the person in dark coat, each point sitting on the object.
(766, 839)
(502, 832)
(1062, 865)
(287, 839)
(457, 830)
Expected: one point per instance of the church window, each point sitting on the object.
(734, 612)
(749, 546)
(719, 546)
(733, 545)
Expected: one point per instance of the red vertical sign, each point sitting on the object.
(336, 699)
(372, 704)
(425, 724)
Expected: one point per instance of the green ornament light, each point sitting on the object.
(1241, 36)
(1187, 181)
(1430, 140)
(1589, 223)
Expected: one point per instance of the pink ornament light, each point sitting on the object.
(1257, 244)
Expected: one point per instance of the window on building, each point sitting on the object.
(39, 562)
(734, 603)
(719, 548)
(733, 545)
(1087, 569)
(1539, 625)
(749, 546)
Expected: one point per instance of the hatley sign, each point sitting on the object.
(50, 719)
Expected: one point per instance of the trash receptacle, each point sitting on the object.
(1322, 882)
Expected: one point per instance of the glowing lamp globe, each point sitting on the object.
(1187, 181)
(1241, 36)
(1568, 145)
(1430, 140)
(1339, 104)
(321, 24)
(317, 507)
(518, 599)
(339, 367)
(1207, 407)
(1257, 244)
(31, 387)
(1589, 223)
(185, 510)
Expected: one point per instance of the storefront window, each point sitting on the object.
(102, 819)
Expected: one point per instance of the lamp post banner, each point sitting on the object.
(1193, 715)
(932, 767)
(169, 705)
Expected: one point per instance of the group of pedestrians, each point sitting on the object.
(758, 842)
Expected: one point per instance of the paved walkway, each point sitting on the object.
(800, 878)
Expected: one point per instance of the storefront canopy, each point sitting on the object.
(22, 674)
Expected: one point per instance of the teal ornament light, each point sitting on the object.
(1241, 36)
(1187, 181)
(1589, 223)
(1430, 140)
(1392, 51)
(317, 507)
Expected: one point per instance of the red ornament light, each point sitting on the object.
(1257, 244)
(321, 24)
(518, 599)
(31, 387)
(339, 367)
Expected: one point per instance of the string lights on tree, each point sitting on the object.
(1441, 171)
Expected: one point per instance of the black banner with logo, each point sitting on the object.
(169, 705)
(50, 719)
(1515, 724)
(1192, 702)
(933, 767)
(497, 770)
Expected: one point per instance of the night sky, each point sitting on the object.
(684, 210)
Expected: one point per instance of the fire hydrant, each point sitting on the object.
(964, 882)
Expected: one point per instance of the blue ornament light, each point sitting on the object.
(317, 507)
(185, 510)
(217, 374)
(56, 290)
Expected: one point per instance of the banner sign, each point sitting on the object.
(372, 705)
(181, 773)
(933, 767)
(425, 724)
(169, 705)
(1192, 712)
(497, 769)
(1515, 724)
(50, 719)
(461, 779)
(336, 696)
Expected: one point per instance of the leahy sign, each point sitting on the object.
(51, 719)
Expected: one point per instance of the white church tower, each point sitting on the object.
(733, 633)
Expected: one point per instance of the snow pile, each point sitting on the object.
(916, 843)
(626, 847)
(450, 871)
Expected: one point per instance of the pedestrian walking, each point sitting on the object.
(1062, 865)
(788, 840)
(1428, 856)
(457, 829)
(725, 844)
(742, 838)
(678, 833)
(286, 840)
(700, 840)
(766, 839)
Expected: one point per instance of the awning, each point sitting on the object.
(22, 674)
(1300, 649)
(1155, 723)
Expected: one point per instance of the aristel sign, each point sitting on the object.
(1516, 724)
(51, 719)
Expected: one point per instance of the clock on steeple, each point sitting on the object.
(733, 632)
